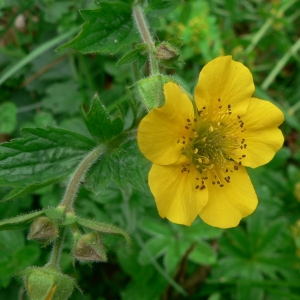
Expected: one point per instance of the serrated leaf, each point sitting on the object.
(19, 222)
(122, 165)
(107, 28)
(18, 192)
(103, 227)
(40, 157)
(99, 123)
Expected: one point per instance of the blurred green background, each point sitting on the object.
(39, 87)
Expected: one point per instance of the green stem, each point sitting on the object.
(79, 175)
(56, 250)
(140, 21)
(280, 64)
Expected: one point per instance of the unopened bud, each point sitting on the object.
(47, 284)
(166, 51)
(89, 248)
(43, 230)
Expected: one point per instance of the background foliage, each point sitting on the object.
(40, 88)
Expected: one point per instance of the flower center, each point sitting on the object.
(213, 141)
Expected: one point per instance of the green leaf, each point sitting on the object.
(161, 7)
(107, 28)
(157, 246)
(18, 192)
(203, 254)
(122, 165)
(19, 222)
(132, 55)
(62, 97)
(103, 227)
(40, 157)
(8, 117)
(155, 227)
(99, 123)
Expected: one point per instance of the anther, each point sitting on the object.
(186, 127)
(197, 186)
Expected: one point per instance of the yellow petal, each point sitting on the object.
(227, 205)
(262, 136)
(227, 80)
(175, 193)
(164, 132)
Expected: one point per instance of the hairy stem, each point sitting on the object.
(140, 21)
(79, 175)
(56, 250)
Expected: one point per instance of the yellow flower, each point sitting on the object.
(200, 149)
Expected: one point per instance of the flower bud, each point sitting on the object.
(43, 230)
(47, 284)
(89, 248)
(166, 51)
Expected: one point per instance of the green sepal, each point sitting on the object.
(103, 228)
(151, 90)
(107, 28)
(21, 221)
(133, 55)
(99, 123)
(89, 248)
(47, 283)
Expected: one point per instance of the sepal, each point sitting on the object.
(47, 283)
(43, 230)
(89, 248)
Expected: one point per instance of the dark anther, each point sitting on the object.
(219, 99)
(186, 127)
(188, 120)
(195, 120)
(213, 182)
(240, 163)
(197, 186)
(177, 141)
(244, 155)
(236, 168)
(221, 185)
